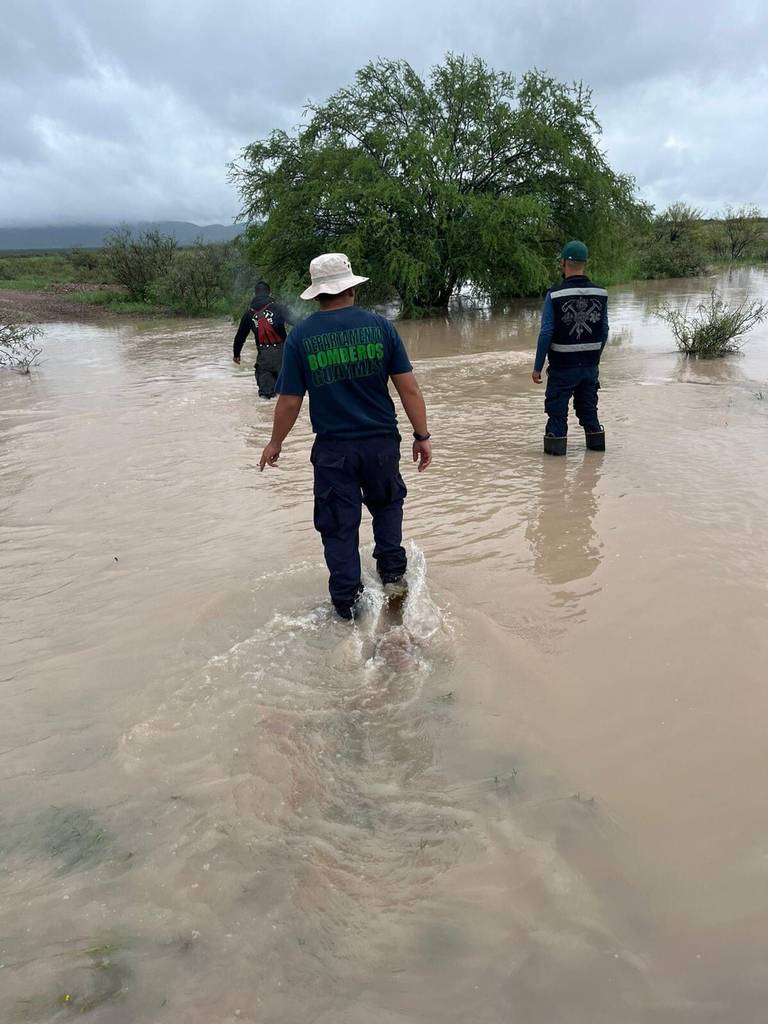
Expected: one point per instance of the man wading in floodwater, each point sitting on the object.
(344, 356)
(267, 319)
(574, 330)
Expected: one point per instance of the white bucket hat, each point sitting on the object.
(331, 273)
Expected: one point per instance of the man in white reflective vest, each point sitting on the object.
(574, 330)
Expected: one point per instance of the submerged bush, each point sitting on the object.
(17, 346)
(715, 327)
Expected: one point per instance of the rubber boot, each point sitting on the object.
(595, 440)
(554, 445)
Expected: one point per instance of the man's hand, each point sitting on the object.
(270, 455)
(286, 412)
(536, 376)
(422, 453)
(236, 359)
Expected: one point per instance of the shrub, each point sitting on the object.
(87, 265)
(715, 328)
(17, 348)
(138, 263)
(197, 279)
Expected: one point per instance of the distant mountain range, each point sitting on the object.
(91, 236)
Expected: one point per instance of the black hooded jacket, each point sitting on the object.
(281, 316)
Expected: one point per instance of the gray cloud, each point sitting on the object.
(132, 111)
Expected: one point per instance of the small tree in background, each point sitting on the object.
(716, 327)
(676, 245)
(17, 346)
(742, 227)
(137, 263)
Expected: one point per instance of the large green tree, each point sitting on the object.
(470, 177)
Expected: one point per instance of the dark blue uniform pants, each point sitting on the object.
(348, 474)
(580, 383)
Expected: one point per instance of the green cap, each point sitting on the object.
(575, 251)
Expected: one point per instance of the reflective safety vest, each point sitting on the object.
(580, 310)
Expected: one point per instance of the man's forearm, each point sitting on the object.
(242, 334)
(415, 409)
(286, 413)
(546, 333)
(542, 349)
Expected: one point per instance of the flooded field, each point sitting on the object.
(539, 798)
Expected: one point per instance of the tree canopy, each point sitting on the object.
(676, 244)
(743, 227)
(468, 177)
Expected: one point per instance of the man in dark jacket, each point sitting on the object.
(267, 319)
(574, 330)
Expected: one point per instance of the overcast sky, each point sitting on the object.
(131, 109)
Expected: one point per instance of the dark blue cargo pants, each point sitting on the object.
(349, 474)
(580, 383)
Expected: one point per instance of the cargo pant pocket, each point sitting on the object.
(388, 487)
(329, 486)
(326, 515)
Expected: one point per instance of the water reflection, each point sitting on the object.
(563, 540)
(713, 372)
(620, 338)
(472, 332)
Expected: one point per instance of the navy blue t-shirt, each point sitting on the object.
(344, 358)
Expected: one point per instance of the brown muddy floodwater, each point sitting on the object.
(541, 798)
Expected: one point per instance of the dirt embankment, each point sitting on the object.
(59, 302)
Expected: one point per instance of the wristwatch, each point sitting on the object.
(421, 437)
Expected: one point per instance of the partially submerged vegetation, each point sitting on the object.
(151, 274)
(467, 180)
(715, 327)
(18, 350)
(681, 242)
